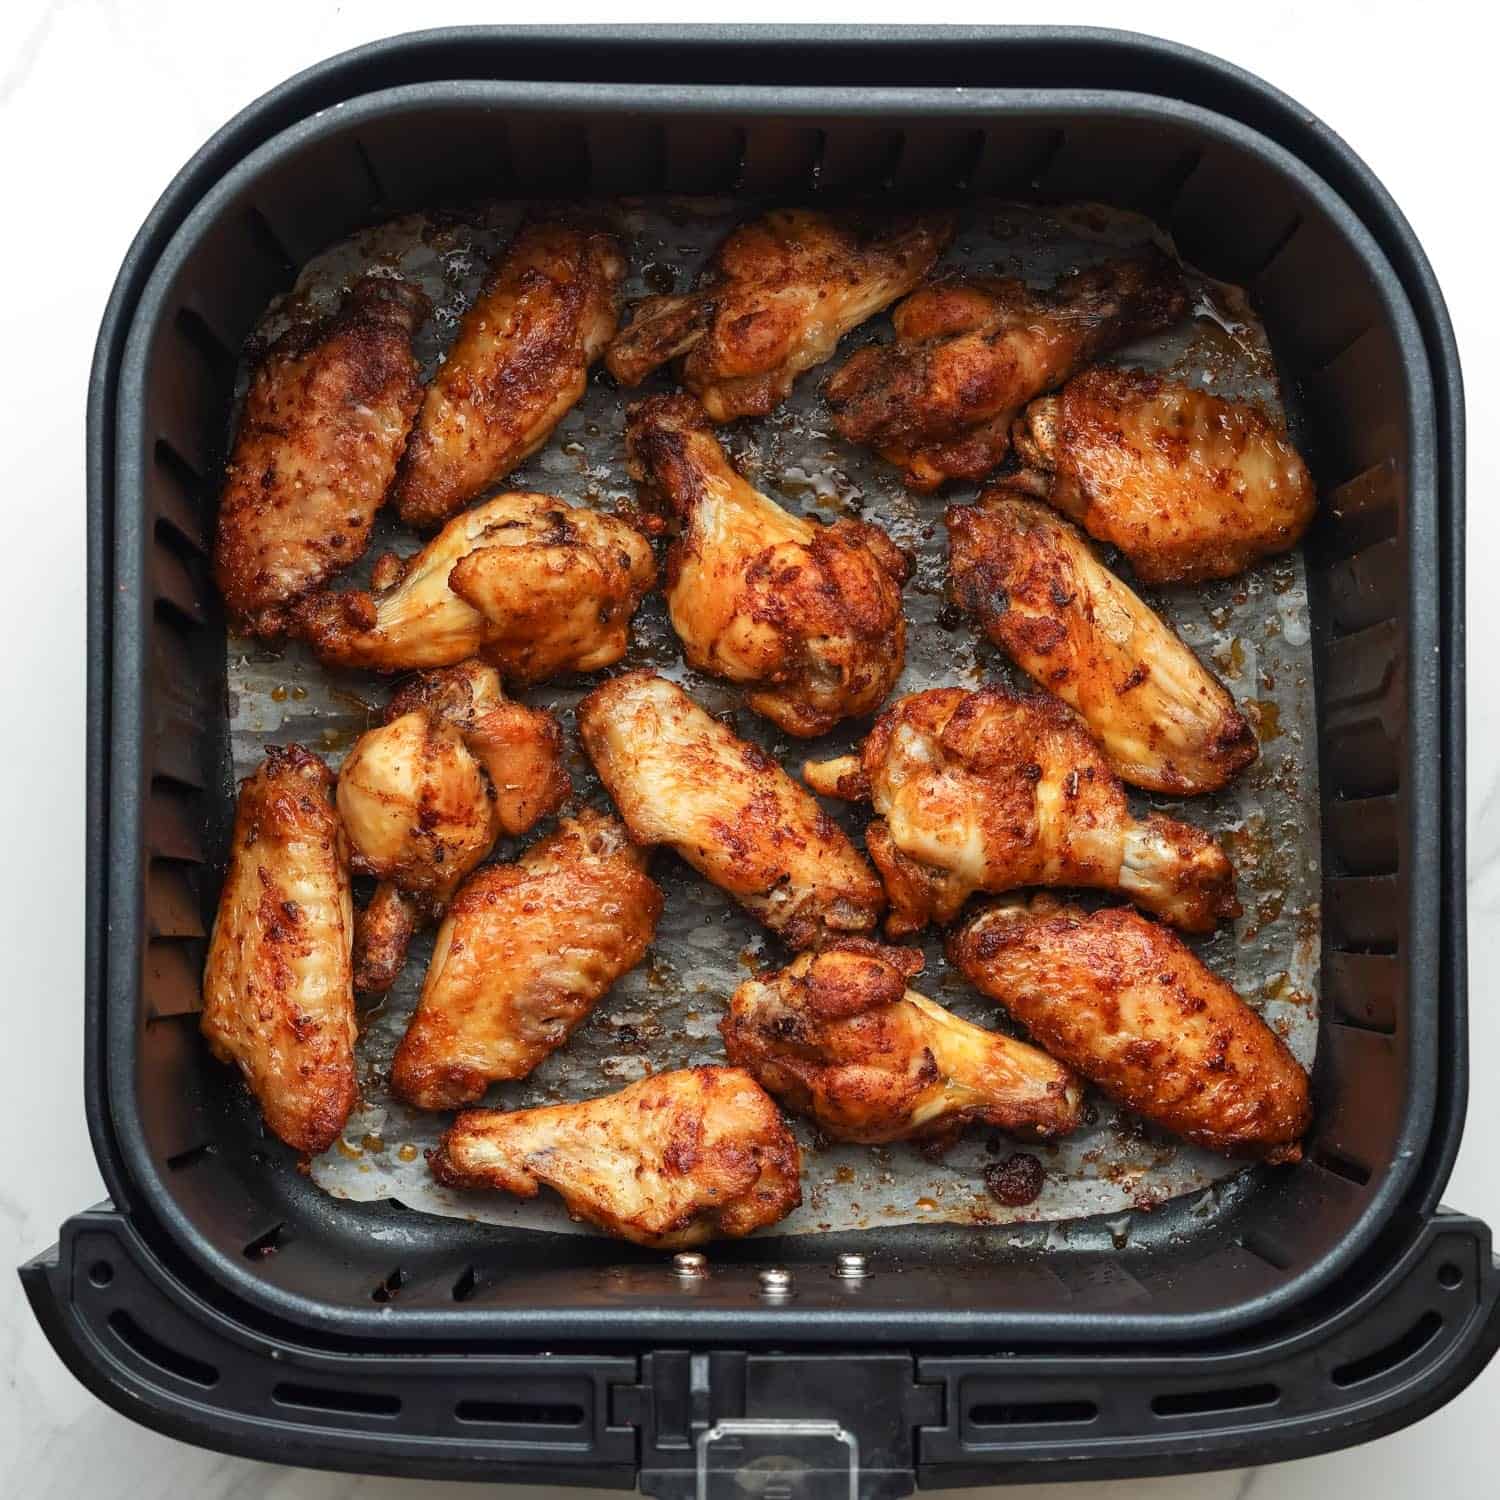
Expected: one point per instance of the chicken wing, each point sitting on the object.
(518, 365)
(1165, 721)
(278, 997)
(776, 299)
(1187, 485)
(323, 426)
(1128, 1005)
(839, 1037)
(809, 617)
(526, 952)
(527, 582)
(673, 1160)
(425, 795)
(971, 351)
(679, 777)
(988, 791)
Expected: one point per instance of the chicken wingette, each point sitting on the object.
(278, 992)
(1186, 484)
(526, 582)
(525, 953)
(324, 423)
(839, 1036)
(990, 791)
(1165, 721)
(676, 1159)
(679, 777)
(807, 617)
(425, 795)
(775, 300)
(971, 351)
(1131, 1008)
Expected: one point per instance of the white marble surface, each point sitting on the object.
(100, 102)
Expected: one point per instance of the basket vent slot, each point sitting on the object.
(1263, 1249)
(191, 1157)
(268, 242)
(367, 165)
(1417, 1337)
(520, 1413)
(1340, 1166)
(148, 1347)
(316, 1398)
(1032, 1413)
(266, 1244)
(210, 348)
(1273, 252)
(466, 1284)
(387, 1289)
(1201, 1403)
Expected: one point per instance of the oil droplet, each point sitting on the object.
(372, 1142)
(1267, 719)
(278, 694)
(345, 1149)
(408, 1152)
(299, 692)
(927, 1203)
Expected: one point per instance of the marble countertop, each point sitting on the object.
(100, 102)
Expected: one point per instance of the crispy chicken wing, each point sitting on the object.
(1165, 721)
(838, 1036)
(1187, 485)
(807, 616)
(778, 296)
(323, 426)
(679, 777)
(527, 582)
(971, 351)
(988, 791)
(1127, 1004)
(526, 952)
(425, 795)
(278, 998)
(673, 1160)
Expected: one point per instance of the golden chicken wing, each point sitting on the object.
(1165, 721)
(776, 299)
(1131, 1008)
(324, 424)
(1187, 485)
(526, 582)
(989, 791)
(839, 1037)
(807, 616)
(525, 953)
(278, 996)
(425, 795)
(679, 777)
(971, 351)
(518, 365)
(676, 1159)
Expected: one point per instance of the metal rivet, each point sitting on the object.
(774, 1282)
(851, 1267)
(690, 1263)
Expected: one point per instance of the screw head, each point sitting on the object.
(690, 1263)
(775, 1282)
(851, 1267)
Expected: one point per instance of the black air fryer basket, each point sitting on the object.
(220, 1297)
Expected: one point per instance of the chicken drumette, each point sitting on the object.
(988, 791)
(1187, 485)
(527, 582)
(971, 351)
(1129, 1006)
(776, 299)
(1165, 721)
(278, 995)
(673, 1160)
(838, 1036)
(808, 617)
(524, 954)
(519, 363)
(425, 795)
(324, 423)
(679, 777)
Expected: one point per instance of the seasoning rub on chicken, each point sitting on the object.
(807, 617)
(676, 1159)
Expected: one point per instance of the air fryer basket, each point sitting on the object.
(1338, 1275)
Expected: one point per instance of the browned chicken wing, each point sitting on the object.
(1165, 721)
(527, 582)
(679, 777)
(1127, 1004)
(323, 426)
(425, 795)
(838, 1036)
(971, 351)
(778, 296)
(676, 1159)
(518, 365)
(807, 616)
(1187, 485)
(526, 952)
(989, 791)
(278, 997)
